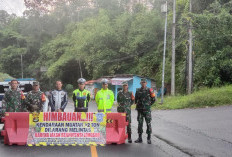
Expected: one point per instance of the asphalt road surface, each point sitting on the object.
(203, 132)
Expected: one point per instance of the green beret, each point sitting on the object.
(143, 80)
(36, 83)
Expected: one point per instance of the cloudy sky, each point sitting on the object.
(13, 6)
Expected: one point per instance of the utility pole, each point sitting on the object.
(78, 16)
(21, 58)
(165, 10)
(22, 64)
(80, 68)
(190, 68)
(79, 58)
(173, 49)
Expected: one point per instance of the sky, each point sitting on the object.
(13, 6)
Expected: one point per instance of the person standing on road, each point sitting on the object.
(59, 98)
(144, 98)
(81, 97)
(104, 98)
(13, 100)
(35, 99)
(48, 100)
(125, 99)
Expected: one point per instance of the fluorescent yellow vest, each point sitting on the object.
(81, 96)
(104, 100)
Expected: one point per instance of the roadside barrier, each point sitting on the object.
(16, 128)
(116, 128)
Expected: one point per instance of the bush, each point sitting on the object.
(203, 98)
(69, 88)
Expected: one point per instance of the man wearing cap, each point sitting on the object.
(81, 97)
(144, 98)
(35, 99)
(13, 100)
(58, 98)
(125, 99)
(104, 98)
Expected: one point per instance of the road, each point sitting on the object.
(188, 132)
(196, 132)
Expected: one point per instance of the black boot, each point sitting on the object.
(129, 138)
(139, 140)
(149, 139)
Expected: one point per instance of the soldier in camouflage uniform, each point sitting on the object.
(125, 99)
(13, 100)
(144, 98)
(35, 99)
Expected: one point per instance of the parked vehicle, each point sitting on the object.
(24, 84)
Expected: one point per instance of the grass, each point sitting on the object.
(207, 97)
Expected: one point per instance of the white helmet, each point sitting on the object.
(104, 81)
(81, 80)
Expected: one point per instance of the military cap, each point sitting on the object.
(143, 80)
(125, 83)
(104, 81)
(81, 81)
(35, 83)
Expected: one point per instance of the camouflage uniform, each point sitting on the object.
(125, 100)
(13, 101)
(144, 98)
(35, 101)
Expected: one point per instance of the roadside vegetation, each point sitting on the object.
(4, 76)
(117, 37)
(207, 97)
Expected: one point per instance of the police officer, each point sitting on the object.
(104, 98)
(81, 97)
(13, 100)
(35, 99)
(58, 98)
(125, 99)
(144, 98)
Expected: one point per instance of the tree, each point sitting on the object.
(213, 47)
(5, 18)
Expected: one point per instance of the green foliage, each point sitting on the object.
(100, 43)
(207, 97)
(213, 47)
(5, 18)
(4, 76)
(115, 38)
(212, 44)
(69, 88)
(9, 55)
